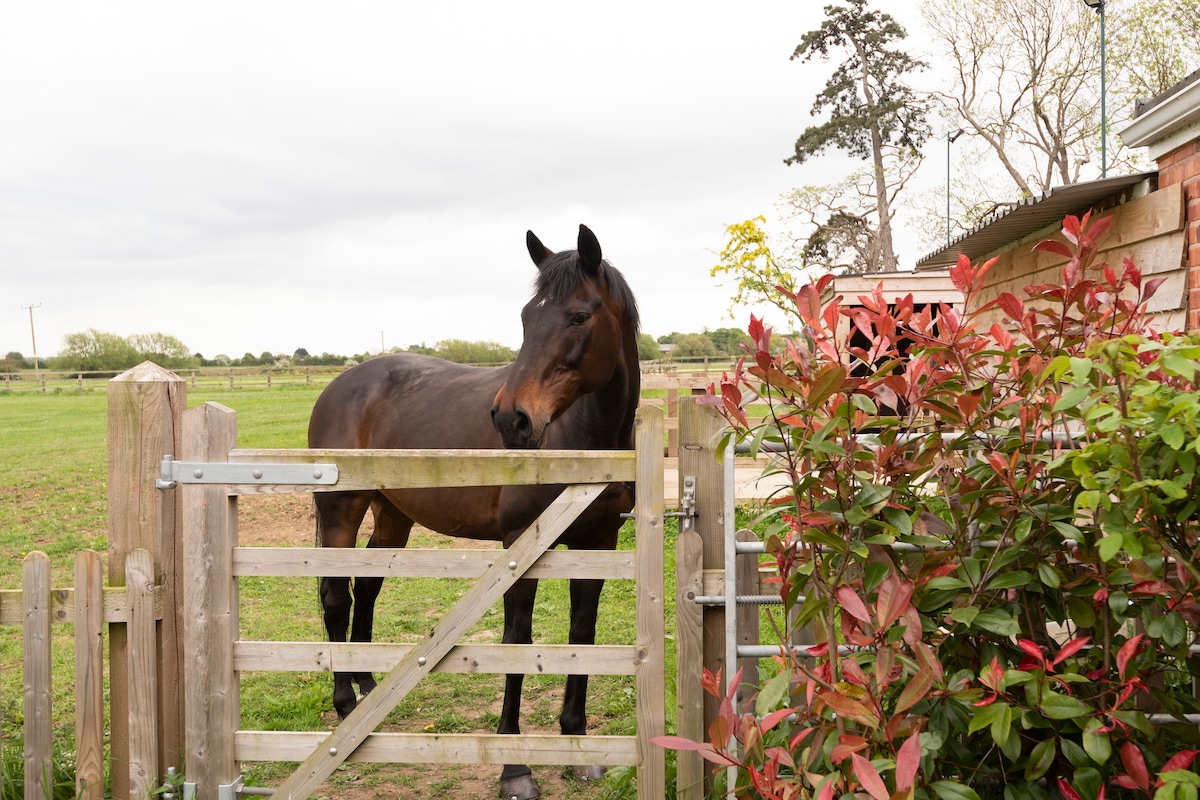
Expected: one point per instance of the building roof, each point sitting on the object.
(1011, 225)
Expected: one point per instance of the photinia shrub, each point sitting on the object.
(994, 533)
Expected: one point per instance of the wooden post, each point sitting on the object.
(210, 600)
(651, 603)
(89, 677)
(142, 689)
(145, 407)
(699, 428)
(689, 663)
(35, 600)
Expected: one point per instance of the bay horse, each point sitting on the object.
(575, 385)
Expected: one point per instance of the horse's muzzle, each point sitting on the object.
(516, 429)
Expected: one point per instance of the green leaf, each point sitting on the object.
(1049, 575)
(951, 790)
(1061, 706)
(774, 694)
(1040, 759)
(1172, 435)
(1096, 744)
(964, 615)
(997, 622)
(1109, 546)
(1009, 580)
(1072, 398)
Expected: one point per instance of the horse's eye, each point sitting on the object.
(580, 318)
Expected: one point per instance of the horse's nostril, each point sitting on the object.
(521, 421)
(495, 409)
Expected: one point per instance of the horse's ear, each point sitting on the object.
(589, 250)
(537, 251)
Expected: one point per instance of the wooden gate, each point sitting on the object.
(214, 653)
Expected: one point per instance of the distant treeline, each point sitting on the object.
(94, 350)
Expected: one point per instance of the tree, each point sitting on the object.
(648, 348)
(873, 114)
(747, 257)
(693, 345)
(164, 350)
(96, 350)
(464, 352)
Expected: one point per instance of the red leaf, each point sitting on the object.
(1135, 766)
(894, 595)
(1053, 246)
(852, 603)
(869, 777)
(1071, 648)
(1032, 649)
(960, 273)
(1067, 792)
(1181, 760)
(1127, 652)
(915, 689)
(1099, 227)
(773, 719)
(1152, 287)
(1153, 588)
(703, 748)
(908, 759)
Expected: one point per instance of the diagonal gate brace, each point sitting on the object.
(372, 709)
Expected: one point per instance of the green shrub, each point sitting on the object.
(1040, 477)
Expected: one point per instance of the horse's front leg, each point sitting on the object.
(516, 780)
(585, 602)
(391, 530)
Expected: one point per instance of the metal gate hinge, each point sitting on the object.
(174, 472)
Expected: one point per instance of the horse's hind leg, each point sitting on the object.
(339, 515)
(391, 530)
(585, 603)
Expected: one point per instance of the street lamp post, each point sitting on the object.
(950, 137)
(1098, 7)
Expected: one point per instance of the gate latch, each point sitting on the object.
(687, 504)
(174, 472)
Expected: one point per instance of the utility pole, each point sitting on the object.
(33, 336)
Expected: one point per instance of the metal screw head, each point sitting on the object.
(421, 661)
(198, 473)
(257, 473)
(512, 565)
(333, 751)
(317, 474)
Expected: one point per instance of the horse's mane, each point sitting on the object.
(560, 274)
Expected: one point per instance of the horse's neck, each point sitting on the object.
(603, 419)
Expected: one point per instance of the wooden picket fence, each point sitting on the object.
(90, 606)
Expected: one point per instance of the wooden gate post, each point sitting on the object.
(651, 604)
(210, 599)
(145, 409)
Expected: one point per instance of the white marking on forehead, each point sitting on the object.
(543, 301)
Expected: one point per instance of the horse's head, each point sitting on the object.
(580, 337)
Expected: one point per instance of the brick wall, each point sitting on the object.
(1182, 166)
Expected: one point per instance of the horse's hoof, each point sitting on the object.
(522, 787)
(589, 773)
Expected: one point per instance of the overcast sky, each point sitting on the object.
(269, 176)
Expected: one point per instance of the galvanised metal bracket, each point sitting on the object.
(687, 504)
(173, 473)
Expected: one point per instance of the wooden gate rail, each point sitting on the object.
(215, 744)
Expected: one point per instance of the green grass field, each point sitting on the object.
(53, 484)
